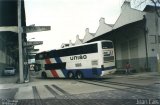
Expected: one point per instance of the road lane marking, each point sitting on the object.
(44, 93)
(60, 89)
(37, 98)
(35, 93)
(53, 92)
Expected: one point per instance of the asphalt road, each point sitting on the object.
(117, 90)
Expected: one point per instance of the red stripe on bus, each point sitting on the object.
(48, 61)
(54, 73)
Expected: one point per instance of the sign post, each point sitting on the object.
(20, 30)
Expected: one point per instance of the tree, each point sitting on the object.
(155, 3)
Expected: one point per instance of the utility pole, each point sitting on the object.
(21, 78)
(157, 41)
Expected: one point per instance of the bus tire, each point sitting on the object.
(44, 75)
(70, 75)
(79, 75)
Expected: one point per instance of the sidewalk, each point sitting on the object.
(8, 79)
(134, 75)
(122, 72)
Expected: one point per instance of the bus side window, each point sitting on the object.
(37, 67)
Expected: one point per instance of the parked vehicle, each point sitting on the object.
(9, 71)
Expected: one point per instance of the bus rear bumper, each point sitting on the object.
(108, 72)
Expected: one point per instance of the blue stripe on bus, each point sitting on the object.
(58, 60)
(88, 73)
(108, 68)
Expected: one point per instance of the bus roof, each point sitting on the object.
(86, 44)
(77, 45)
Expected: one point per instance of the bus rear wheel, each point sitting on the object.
(44, 75)
(79, 75)
(70, 75)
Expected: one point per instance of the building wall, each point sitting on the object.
(130, 44)
(133, 48)
(103, 28)
(128, 15)
(8, 17)
(88, 36)
(130, 47)
(8, 39)
(78, 40)
(152, 32)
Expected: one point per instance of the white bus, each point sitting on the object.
(87, 60)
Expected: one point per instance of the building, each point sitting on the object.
(88, 36)
(8, 33)
(78, 40)
(135, 35)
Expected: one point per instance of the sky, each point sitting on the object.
(68, 18)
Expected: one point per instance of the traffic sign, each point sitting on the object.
(29, 29)
(31, 56)
(32, 53)
(29, 47)
(31, 43)
(33, 50)
(25, 29)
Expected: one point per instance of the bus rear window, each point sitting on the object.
(106, 45)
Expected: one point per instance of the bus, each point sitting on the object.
(89, 60)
